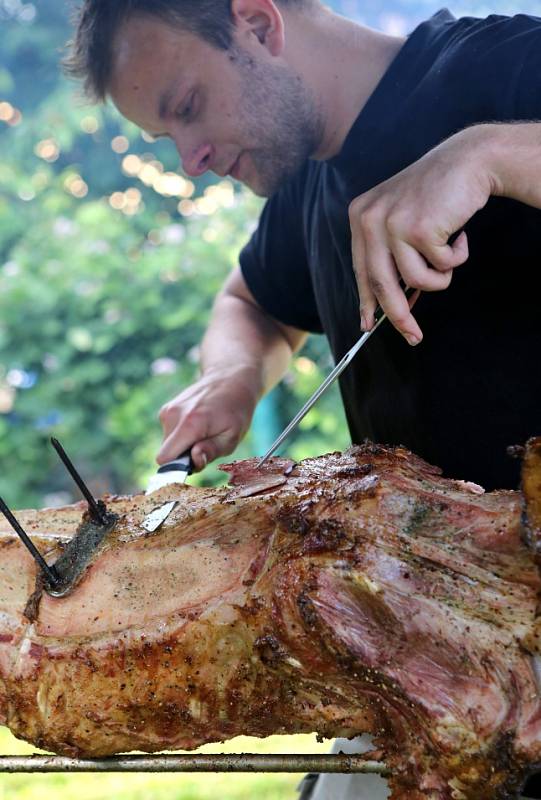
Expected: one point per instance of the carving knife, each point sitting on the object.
(173, 472)
(379, 316)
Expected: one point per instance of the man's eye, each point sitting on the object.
(185, 111)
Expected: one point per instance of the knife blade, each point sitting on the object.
(172, 472)
(175, 471)
(379, 316)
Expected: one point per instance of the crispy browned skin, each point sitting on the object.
(357, 592)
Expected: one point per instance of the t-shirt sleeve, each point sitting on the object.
(275, 266)
(529, 79)
(503, 57)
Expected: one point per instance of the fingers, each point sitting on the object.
(383, 282)
(203, 450)
(207, 435)
(444, 257)
(209, 449)
(383, 262)
(177, 439)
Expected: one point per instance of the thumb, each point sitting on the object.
(208, 450)
(460, 249)
(200, 459)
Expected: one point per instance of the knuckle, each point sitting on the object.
(193, 419)
(368, 222)
(396, 225)
(401, 319)
(354, 209)
(419, 233)
(435, 280)
(410, 275)
(366, 308)
(166, 413)
(441, 261)
(376, 285)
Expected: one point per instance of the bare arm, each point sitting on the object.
(401, 228)
(244, 353)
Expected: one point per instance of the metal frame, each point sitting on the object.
(244, 762)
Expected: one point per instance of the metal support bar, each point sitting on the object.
(244, 762)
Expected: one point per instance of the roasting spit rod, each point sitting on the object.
(98, 513)
(198, 762)
(61, 577)
(244, 762)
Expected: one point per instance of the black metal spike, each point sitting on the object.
(96, 512)
(50, 572)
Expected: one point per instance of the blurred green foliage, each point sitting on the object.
(109, 262)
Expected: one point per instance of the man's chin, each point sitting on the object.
(253, 182)
(262, 182)
(260, 191)
(263, 187)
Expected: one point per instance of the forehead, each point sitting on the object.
(150, 57)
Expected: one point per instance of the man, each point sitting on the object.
(387, 162)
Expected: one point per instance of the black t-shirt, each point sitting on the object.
(473, 386)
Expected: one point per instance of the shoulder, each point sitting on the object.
(467, 39)
(443, 28)
(488, 68)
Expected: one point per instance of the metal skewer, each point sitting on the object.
(77, 554)
(197, 762)
(379, 316)
(50, 572)
(95, 510)
(331, 377)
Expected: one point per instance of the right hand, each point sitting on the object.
(211, 416)
(402, 230)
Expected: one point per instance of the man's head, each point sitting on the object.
(210, 74)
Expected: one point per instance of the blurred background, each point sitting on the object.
(109, 261)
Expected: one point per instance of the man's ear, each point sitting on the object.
(260, 19)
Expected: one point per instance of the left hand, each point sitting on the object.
(401, 229)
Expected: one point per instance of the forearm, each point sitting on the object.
(242, 339)
(511, 154)
(243, 354)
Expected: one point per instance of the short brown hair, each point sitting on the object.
(97, 22)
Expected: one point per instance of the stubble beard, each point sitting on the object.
(279, 114)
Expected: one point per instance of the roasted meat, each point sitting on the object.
(356, 592)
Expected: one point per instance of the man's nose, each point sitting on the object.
(195, 160)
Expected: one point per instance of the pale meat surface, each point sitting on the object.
(356, 592)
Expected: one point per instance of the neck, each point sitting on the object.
(342, 63)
